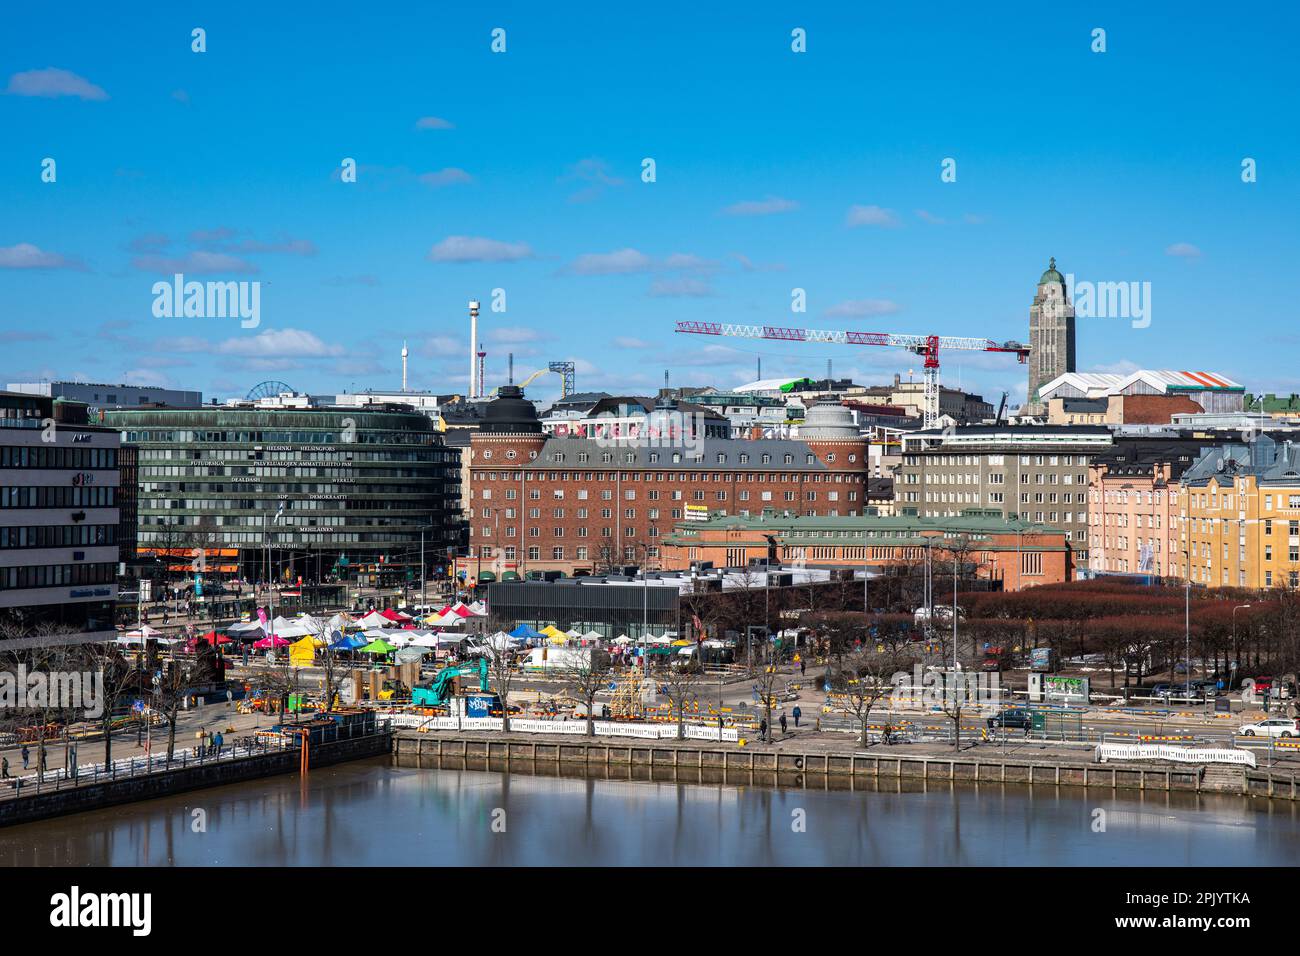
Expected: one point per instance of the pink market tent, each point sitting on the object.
(212, 637)
(395, 616)
(268, 643)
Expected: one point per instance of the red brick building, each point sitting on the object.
(1018, 553)
(538, 503)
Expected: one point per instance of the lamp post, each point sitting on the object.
(1234, 626)
(270, 590)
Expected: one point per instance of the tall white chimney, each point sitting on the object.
(474, 383)
(404, 354)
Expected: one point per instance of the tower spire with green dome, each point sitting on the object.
(1051, 275)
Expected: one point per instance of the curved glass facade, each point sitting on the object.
(354, 482)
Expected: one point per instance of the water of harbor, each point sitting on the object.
(377, 813)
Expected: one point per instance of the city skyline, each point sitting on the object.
(522, 171)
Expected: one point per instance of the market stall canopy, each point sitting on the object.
(313, 625)
(378, 646)
(303, 653)
(397, 617)
(212, 637)
(248, 631)
(339, 622)
(373, 619)
(592, 635)
(284, 627)
(412, 653)
(526, 633)
(347, 644)
(478, 609)
(268, 643)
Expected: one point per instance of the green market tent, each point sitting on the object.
(378, 646)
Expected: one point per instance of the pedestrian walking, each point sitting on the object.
(27, 756)
(803, 668)
(762, 729)
(72, 761)
(797, 714)
(45, 758)
(4, 768)
(229, 697)
(198, 742)
(218, 742)
(783, 724)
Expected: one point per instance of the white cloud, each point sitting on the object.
(52, 82)
(870, 216)
(595, 173)
(27, 256)
(860, 308)
(927, 216)
(439, 345)
(196, 263)
(433, 122)
(620, 262)
(1183, 250)
(628, 342)
(450, 176)
(761, 207)
(750, 266)
(272, 343)
(478, 249)
(695, 288)
(688, 263)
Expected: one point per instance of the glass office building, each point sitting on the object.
(359, 488)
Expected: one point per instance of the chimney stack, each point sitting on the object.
(473, 356)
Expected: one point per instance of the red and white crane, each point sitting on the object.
(927, 346)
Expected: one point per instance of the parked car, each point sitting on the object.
(1012, 717)
(1273, 727)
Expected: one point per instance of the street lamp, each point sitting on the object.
(270, 598)
(1234, 627)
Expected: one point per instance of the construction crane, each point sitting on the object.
(927, 346)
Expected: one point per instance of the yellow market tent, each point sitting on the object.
(303, 653)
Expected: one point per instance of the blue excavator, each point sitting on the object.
(437, 691)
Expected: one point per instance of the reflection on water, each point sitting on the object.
(436, 814)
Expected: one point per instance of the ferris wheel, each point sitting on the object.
(267, 389)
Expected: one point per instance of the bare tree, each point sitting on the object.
(39, 651)
(501, 665)
(680, 684)
(863, 679)
(118, 677)
(584, 676)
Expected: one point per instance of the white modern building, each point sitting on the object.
(59, 518)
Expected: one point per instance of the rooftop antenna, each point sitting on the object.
(511, 379)
(481, 356)
(404, 354)
(828, 373)
(665, 379)
(759, 377)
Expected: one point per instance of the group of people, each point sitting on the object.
(208, 743)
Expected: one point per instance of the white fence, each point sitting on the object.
(603, 728)
(1181, 754)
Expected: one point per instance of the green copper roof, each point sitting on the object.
(1051, 275)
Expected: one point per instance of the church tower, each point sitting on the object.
(1051, 335)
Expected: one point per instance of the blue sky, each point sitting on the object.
(775, 170)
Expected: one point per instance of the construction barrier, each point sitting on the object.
(1181, 754)
(603, 728)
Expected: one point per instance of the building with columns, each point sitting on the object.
(1051, 335)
